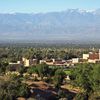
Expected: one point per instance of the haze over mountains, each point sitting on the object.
(72, 25)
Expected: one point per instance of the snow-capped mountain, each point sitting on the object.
(70, 25)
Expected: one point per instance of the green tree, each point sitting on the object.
(86, 76)
(3, 66)
(11, 89)
(43, 70)
(58, 77)
(95, 80)
(32, 69)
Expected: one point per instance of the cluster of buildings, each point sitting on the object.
(91, 57)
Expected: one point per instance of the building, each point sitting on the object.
(29, 62)
(75, 60)
(54, 62)
(85, 56)
(15, 66)
(93, 57)
(47, 61)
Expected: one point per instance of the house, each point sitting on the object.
(94, 57)
(60, 62)
(15, 66)
(75, 60)
(15, 63)
(85, 56)
(29, 62)
(42, 61)
(55, 62)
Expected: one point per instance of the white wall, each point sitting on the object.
(75, 60)
(85, 56)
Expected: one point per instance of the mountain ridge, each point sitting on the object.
(70, 25)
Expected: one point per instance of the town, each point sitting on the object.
(49, 73)
(49, 49)
(91, 57)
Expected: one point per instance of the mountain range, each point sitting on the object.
(72, 25)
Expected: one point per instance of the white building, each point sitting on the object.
(75, 60)
(92, 60)
(29, 62)
(85, 56)
(42, 61)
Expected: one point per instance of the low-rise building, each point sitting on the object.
(75, 60)
(29, 62)
(13, 66)
(93, 57)
(85, 56)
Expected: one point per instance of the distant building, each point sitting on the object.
(29, 62)
(85, 56)
(42, 61)
(75, 60)
(15, 66)
(48, 61)
(60, 62)
(54, 62)
(16, 63)
(94, 57)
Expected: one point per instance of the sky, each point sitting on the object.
(38, 6)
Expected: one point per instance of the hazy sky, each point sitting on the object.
(9, 6)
